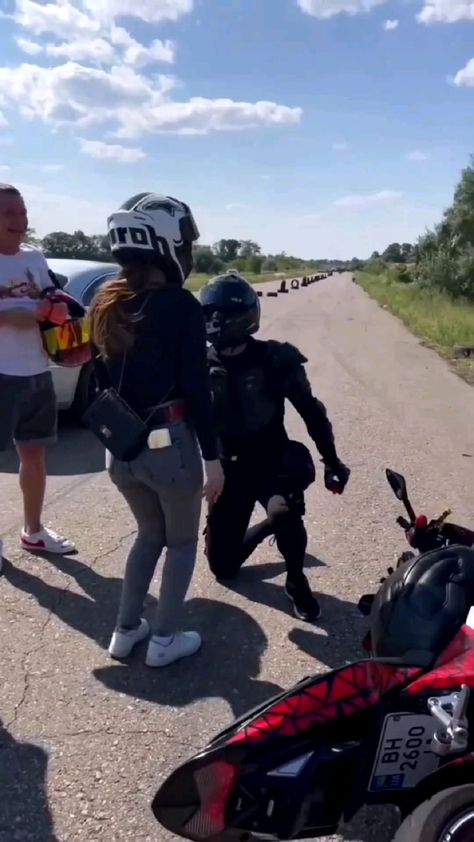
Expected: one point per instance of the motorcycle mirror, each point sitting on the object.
(399, 487)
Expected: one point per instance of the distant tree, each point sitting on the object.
(206, 262)
(227, 250)
(32, 238)
(254, 264)
(77, 246)
(270, 265)
(445, 255)
(60, 244)
(248, 248)
(407, 252)
(393, 253)
(101, 248)
(375, 255)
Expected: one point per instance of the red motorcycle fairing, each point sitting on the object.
(453, 668)
(241, 784)
(333, 696)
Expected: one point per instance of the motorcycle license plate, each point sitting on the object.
(404, 755)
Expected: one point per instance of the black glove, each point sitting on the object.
(336, 477)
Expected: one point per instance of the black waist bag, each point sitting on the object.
(116, 425)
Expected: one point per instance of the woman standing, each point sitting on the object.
(151, 342)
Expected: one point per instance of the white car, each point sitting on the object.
(75, 387)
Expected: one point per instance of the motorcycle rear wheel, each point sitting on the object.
(447, 817)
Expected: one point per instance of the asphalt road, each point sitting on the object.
(87, 741)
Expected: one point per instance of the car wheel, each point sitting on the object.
(447, 817)
(86, 391)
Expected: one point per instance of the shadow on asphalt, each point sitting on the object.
(341, 621)
(345, 629)
(77, 451)
(92, 614)
(254, 583)
(24, 810)
(226, 668)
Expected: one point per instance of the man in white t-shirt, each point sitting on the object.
(28, 415)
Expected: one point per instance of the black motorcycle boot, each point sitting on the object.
(305, 605)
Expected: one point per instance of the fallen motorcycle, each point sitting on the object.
(395, 728)
(422, 535)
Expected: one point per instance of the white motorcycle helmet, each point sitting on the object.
(156, 230)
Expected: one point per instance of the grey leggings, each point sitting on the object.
(163, 489)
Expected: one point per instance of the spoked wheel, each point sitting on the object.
(447, 817)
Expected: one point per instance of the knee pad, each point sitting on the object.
(277, 507)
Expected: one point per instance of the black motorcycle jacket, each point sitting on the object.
(249, 392)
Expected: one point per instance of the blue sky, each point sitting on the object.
(316, 127)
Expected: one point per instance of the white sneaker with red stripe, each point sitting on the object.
(46, 541)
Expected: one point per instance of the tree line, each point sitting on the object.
(242, 255)
(443, 257)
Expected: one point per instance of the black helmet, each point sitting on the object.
(422, 605)
(231, 310)
(156, 230)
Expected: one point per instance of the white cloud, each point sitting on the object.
(3, 120)
(29, 47)
(52, 168)
(101, 51)
(94, 49)
(88, 32)
(4, 168)
(465, 78)
(64, 19)
(69, 19)
(417, 156)
(75, 93)
(446, 11)
(150, 11)
(325, 9)
(200, 116)
(340, 146)
(111, 151)
(364, 200)
(138, 55)
(99, 81)
(391, 25)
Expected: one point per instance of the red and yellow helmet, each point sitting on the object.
(66, 338)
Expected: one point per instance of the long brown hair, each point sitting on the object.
(112, 323)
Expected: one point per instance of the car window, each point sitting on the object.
(91, 290)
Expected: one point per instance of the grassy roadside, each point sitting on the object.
(440, 322)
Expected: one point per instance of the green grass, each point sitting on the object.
(438, 320)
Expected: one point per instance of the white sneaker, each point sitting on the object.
(164, 650)
(122, 641)
(46, 541)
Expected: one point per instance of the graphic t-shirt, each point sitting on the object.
(22, 278)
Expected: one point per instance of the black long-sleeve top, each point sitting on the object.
(250, 390)
(167, 361)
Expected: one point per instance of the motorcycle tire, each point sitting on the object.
(447, 817)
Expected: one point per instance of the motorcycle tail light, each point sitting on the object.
(215, 785)
(421, 522)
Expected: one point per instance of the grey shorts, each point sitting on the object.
(27, 410)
